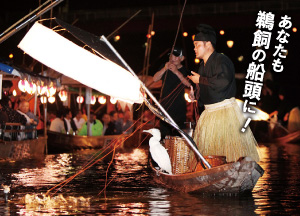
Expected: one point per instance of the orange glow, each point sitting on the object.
(102, 99)
(63, 95)
(230, 43)
(51, 91)
(31, 88)
(41, 90)
(257, 116)
(23, 85)
(113, 100)
(222, 32)
(185, 34)
(11, 56)
(43, 99)
(152, 33)
(14, 92)
(197, 61)
(193, 37)
(93, 100)
(240, 58)
(294, 29)
(117, 38)
(148, 36)
(186, 97)
(51, 99)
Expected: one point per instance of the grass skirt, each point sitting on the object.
(218, 132)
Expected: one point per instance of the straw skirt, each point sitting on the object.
(218, 132)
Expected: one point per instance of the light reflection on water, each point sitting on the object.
(55, 168)
(278, 189)
(132, 191)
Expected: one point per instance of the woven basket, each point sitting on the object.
(179, 153)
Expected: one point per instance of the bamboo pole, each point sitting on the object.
(146, 63)
(111, 34)
(12, 30)
(173, 123)
(45, 125)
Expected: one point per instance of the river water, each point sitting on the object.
(130, 190)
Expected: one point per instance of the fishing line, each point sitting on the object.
(178, 27)
(106, 184)
(163, 99)
(172, 97)
(106, 173)
(63, 183)
(89, 164)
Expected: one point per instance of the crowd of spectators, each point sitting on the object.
(112, 123)
(64, 120)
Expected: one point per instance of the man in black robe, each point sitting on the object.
(218, 130)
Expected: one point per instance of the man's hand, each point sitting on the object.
(191, 94)
(194, 77)
(157, 76)
(172, 68)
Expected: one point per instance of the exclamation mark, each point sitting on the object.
(246, 125)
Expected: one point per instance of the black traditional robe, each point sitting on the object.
(217, 81)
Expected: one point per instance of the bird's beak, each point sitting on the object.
(147, 131)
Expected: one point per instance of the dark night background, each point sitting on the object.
(236, 18)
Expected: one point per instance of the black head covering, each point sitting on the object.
(177, 51)
(206, 33)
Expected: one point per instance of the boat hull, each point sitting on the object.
(233, 178)
(58, 142)
(17, 150)
(293, 137)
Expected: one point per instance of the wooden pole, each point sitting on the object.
(88, 94)
(35, 103)
(45, 125)
(146, 64)
(79, 104)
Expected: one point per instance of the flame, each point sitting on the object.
(257, 116)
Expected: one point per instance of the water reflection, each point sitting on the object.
(53, 170)
(130, 162)
(132, 191)
(160, 205)
(278, 189)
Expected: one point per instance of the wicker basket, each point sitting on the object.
(179, 153)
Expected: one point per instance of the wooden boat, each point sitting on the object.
(232, 178)
(293, 137)
(280, 134)
(16, 150)
(59, 142)
(229, 178)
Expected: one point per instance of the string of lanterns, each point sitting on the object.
(41, 89)
(48, 93)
